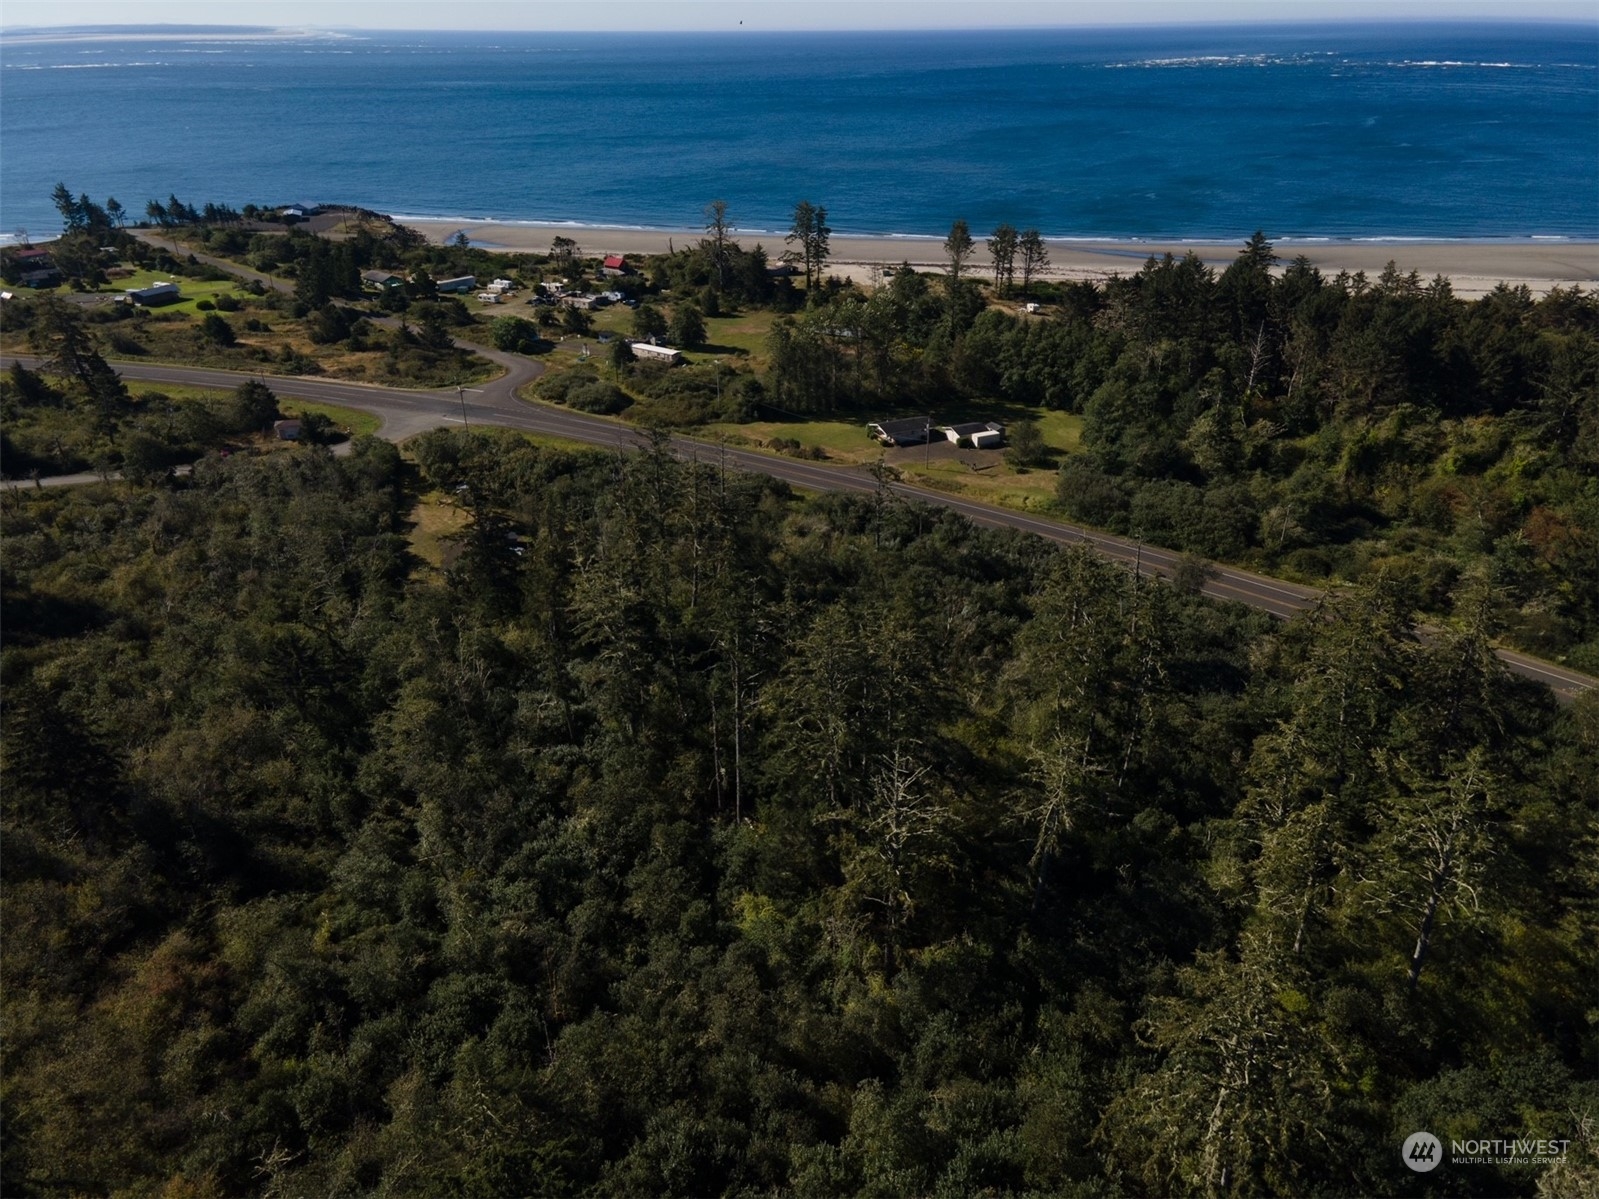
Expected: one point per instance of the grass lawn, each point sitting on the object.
(173, 391)
(963, 473)
(616, 319)
(844, 442)
(436, 522)
(546, 442)
(741, 336)
(351, 420)
(192, 290)
(1062, 431)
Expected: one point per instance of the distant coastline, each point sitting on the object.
(1474, 266)
(39, 36)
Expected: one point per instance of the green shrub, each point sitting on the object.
(600, 398)
(1086, 493)
(555, 387)
(145, 458)
(123, 343)
(217, 330)
(514, 335)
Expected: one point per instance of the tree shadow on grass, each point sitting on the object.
(720, 351)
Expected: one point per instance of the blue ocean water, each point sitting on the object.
(1350, 131)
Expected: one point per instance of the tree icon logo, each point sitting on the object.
(1422, 1152)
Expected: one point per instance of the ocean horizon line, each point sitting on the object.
(1128, 240)
(1218, 239)
(289, 30)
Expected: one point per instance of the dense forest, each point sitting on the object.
(682, 836)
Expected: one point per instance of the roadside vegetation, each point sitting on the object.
(79, 415)
(82, 417)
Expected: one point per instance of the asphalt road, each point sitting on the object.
(405, 413)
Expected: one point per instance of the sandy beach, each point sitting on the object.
(1474, 268)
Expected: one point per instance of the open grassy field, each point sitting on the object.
(743, 335)
(842, 441)
(980, 474)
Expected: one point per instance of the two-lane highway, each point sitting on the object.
(407, 412)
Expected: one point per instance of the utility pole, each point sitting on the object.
(460, 392)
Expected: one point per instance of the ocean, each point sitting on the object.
(1403, 131)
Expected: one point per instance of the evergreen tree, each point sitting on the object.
(1002, 247)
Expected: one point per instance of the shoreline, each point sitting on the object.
(1474, 267)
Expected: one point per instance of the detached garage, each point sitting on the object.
(154, 295)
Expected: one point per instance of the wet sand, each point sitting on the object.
(1474, 268)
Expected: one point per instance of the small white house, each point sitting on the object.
(502, 287)
(648, 352)
(987, 435)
